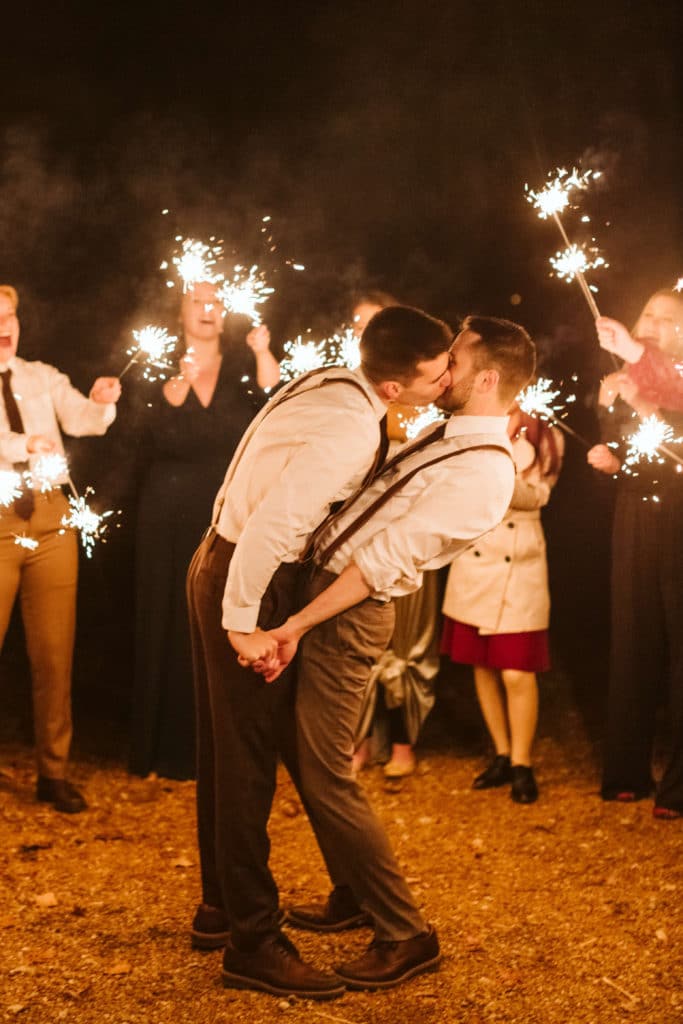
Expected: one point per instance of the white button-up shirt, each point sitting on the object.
(47, 401)
(435, 516)
(296, 459)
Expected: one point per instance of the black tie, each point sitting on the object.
(25, 503)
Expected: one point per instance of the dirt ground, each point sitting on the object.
(565, 912)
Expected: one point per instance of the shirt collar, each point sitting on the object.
(465, 424)
(11, 365)
(378, 405)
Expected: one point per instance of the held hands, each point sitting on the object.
(106, 390)
(615, 338)
(268, 653)
(258, 339)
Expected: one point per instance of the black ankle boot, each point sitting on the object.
(524, 789)
(497, 773)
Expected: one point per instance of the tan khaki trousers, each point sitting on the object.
(46, 581)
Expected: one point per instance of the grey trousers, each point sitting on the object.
(335, 661)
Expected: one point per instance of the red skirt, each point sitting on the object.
(526, 652)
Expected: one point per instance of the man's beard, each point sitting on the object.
(457, 396)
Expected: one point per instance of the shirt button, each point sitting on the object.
(511, 526)
(507, 558)
(477, 554)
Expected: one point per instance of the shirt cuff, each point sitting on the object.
(241, 620)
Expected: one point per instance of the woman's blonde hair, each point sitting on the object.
(11, 293)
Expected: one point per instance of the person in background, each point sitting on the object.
(646, 646)
(37, 402)
(195, 423)
(497, 610)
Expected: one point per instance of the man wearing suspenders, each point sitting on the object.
(428, 504)
(314, 443)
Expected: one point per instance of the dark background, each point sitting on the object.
(390, 144)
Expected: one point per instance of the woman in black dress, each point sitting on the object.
(194, 425)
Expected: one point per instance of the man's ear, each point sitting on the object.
(487, 380)
(390, 390)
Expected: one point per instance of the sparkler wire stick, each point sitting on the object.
(578, 274)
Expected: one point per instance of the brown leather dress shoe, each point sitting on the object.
(210, 928)
(276, 967)
(385, 964)
(338, 914)
(61, 794)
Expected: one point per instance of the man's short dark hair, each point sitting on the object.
(506, 347)
(397, 339)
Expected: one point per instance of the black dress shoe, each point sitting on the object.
(210, 928)
(61, 794)
(497, 773)
(385, 964)
(276, 967)
(340, 913)
(524, 789)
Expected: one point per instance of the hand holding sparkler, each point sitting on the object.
(600, 457)
(615, 338)
(38, 444)
(106, 390)
(258, 339)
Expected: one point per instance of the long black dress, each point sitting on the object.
(190, 447)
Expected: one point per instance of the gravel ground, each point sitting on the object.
(565, 912)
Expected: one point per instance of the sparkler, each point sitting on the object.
(652, 436)
(575, 261)
(414, 425)
(49, 470)
(245, 293)
(340, 349)
(25, 542)
(10, 487)
(196, 262)
(678, 287)
(537, 400)
(154, 345)
(550, 202)
(90, 524)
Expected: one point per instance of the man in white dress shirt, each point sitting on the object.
(36, 400)
(312, 445)
(430, 502)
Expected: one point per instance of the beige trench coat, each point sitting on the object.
(500, 583)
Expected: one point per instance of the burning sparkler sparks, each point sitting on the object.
(539, 400)
(574, 261)
(245, 293)
(650, 441)
(196, 261)
(154, 346)
(10, 487)
(414, 425)
(90, 524)
(340, 349)
(25, 542)
(49, 471)
(678, 287)
(555, 197)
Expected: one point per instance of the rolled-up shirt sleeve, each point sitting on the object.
(78, 416)
(451, 511)
(279, 528)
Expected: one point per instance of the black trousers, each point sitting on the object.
(646, 660)
(242, 725)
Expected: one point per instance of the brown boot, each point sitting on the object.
(276, 967)
(340, 913)
(385, 964)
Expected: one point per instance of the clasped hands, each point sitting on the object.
(266, 652)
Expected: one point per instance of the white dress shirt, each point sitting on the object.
(47, 401)
(294, 461)
(435, 516)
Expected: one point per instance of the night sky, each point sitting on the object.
(390, 144)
